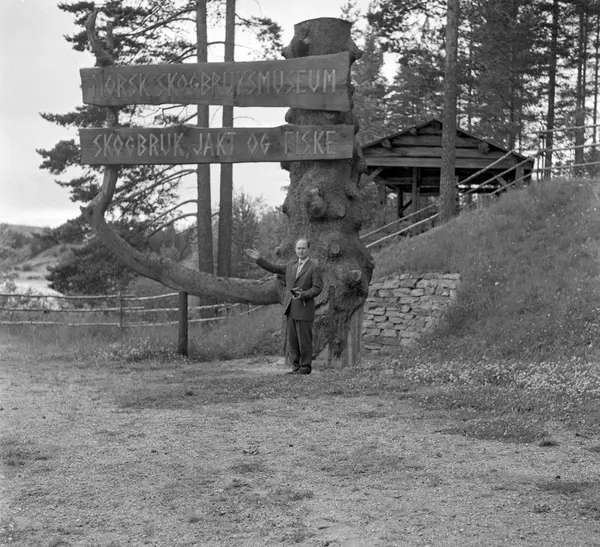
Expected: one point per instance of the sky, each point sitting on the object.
(39, 72)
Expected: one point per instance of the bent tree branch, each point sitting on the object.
(165, 271)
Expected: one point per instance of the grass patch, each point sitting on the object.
(565, 487)
(251, 467)
(253, 334)
(365, 460)
(586, 494)
(501, 428)
(16, 453)
(153, 386)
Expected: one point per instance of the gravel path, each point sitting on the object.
(81, 470)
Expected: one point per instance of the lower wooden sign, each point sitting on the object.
(186, 144)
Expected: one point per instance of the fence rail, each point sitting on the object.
(11, 313)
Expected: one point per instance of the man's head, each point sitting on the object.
(302, 246)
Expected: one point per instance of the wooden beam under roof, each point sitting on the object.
(461, 163)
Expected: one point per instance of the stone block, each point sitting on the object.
(389, 333)
(405, 308)
(408, 283)
(391, 283)
(387, 340)
(385, 293)
(401, 292)
(417, 292)
(377, 311)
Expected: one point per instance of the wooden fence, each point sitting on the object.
(115, 310)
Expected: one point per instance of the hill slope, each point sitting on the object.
(529, 266)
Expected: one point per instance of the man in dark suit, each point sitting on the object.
(303, 282)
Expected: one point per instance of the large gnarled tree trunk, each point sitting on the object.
(322, 201)
(322, 204)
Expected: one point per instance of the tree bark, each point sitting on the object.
(596, 67)
(448, 205)
(322, 202)
(550, 117)
(581, 91)
(226, 188)
(204, 216)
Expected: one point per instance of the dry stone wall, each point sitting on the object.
(400, 308)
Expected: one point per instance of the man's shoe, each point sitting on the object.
(303, 370)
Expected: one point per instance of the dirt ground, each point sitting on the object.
(238, 454)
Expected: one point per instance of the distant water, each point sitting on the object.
(38, 285)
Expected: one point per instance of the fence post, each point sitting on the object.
(121, 312)
(330, 326)
(182, 342)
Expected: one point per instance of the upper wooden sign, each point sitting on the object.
(186, 144)
(315, 83)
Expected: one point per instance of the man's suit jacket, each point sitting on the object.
(310, 282)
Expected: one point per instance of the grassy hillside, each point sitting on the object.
(529, 266)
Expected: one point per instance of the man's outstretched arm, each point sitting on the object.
(265, 264)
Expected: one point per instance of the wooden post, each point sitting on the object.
(415, 195)
(400, 201)
(182, 341)
(415, 189)
(381, 194)
(351, 354)
(330, 326)
(520, 173)
(355, 337)
(121, 311)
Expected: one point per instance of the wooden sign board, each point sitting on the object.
(185, 144)
(315, 83)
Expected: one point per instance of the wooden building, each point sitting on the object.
(408, 164)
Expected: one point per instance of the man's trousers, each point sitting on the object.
(300, 335)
